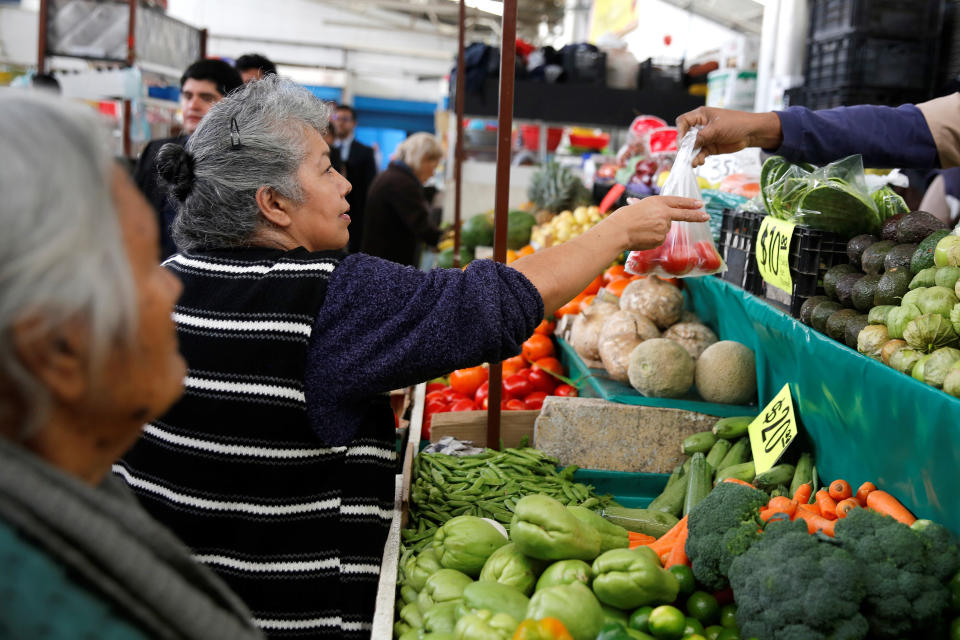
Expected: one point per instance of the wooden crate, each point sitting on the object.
(472, 425)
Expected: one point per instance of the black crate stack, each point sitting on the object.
(871, 52)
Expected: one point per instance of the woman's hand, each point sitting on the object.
(728, 131)
(645, 223)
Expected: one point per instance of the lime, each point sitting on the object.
(955, 593)
(685, 579)
(639, 619)
(729, 634)
(694, 636)
(693, 627)
(667, 623)
(703, 606)
(728, 616)
(955, 629)
(713, 632)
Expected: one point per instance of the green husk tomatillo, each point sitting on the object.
(898, 319)
(878, 315)
(904, 359)
(951, 384)
(939, 300)
(871, 339)
(938, 364)
(889, 348)
(929, 332)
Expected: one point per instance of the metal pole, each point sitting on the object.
(508, 54)
(131, 57)
(203, 43)
(42, 38)
(458, 149)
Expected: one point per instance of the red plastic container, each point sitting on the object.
(530, 134)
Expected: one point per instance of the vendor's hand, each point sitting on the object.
(728, 131)
(644, 224)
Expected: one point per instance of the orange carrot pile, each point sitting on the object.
(670, 547)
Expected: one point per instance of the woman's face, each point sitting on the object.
(427, 169)
(321, 221)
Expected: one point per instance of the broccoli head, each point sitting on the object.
(790, 585)
(721, 527)
(905, 572)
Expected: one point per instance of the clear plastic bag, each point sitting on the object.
(688, 250)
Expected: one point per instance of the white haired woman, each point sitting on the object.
(88, 353)
(277, 465)
(397, 214)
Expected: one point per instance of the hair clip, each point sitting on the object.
(234, 134)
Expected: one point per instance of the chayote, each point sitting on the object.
(412, 615)
(464, 543)
(630, 578)
(543, 528)
(565, 572)
(421, 567)
(443, 586)
(612, 536)
(495, 597)
(510, 567)
(572, 604)
(441, 617)
(485, 625)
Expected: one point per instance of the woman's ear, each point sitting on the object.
(57, 358)
(274, 207)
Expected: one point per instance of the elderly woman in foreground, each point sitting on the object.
(397, 214)
(277, 465)
(88, 353)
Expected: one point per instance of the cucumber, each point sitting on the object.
(699, 443)
(732, 428)
(745, 471)
(677, 474)
(646, 521)
(671, 500)
(736, 455)
(803, 473)
(699, 482)
(717, 452)
(774, 476)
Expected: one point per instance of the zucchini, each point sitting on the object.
(646, 521)
(774, 476)
(699, 443)
(717, 451)
(744, 471)
(815, 482)
(671, 500)
(699, 482)
(781, 490)
(736, 455)
(677, 474)
(803, 473)
(732, 428)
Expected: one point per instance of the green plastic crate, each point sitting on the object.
(630, 489)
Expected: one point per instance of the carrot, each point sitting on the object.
(802, 494)
(678, 555)
(807, 508)
(816, 522)
(865, 489)
(844, 507)
(782, 504)
(886, 504)
(826, 505)
(639, 539)
(739, 481)
(840, 490)
(766, 514)
(665, 543)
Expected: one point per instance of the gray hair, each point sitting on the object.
(217, 179)
(62, 256)
(419, 148)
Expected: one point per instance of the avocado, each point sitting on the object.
(889, 229)
(820, 313)
(864, 290)
(858, 245)
(872, 259)
(923, 256)
(899, 256)
(854, 326)
(892, 286)
(837, 323)
(845, 288)
(833, 274)
(807, 308)
(916, 226)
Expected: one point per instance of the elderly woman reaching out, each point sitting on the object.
(277, 465)
(88, 353)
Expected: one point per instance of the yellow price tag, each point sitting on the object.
(773, 431)
(773, 252)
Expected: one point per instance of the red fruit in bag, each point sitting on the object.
(643, 261)
(679, 260)
(709, 258)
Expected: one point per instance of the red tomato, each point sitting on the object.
(679, 260)
(534, 401)
(565, 390)
(545, 327)
(452, 396)
(482, 392)
(541, 381)
(463, 405)
(435, 386)
(537, 347)
(550, 364)
(436, 395)
(643, 261)
(514, 405)
(467, 381)
(709, 258)
(517, 385)
(514, 364)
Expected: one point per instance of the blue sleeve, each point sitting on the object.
(885, 136)
(386, 326)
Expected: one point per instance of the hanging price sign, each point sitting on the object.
(773, 252)
(773, 431)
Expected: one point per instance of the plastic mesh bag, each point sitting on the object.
(688, 250)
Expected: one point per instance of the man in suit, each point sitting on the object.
(203, 84)
(361, 169)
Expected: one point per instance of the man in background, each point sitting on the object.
(203, 84)
(361, 169)
(254, 66)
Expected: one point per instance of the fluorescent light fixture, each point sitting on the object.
(490, 6)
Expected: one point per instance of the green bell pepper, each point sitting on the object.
(441, 617)
(485, 625)
(508, 566)
(443, 586)
(464, 543)
(565, 572)
(412, 615)
(616, 631)
(572, 604)
(421, 567)
(543, 528)
(496, 597)
(629, 578)
(612, 536)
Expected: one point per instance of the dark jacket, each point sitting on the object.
(397, 217)
(361, 169)
(147, 179)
